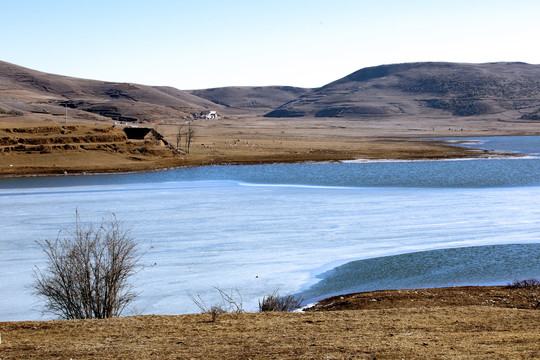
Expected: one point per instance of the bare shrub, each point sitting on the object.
(231, 302)
(276, 302)
(88, 270)
(527, 283)
(213, 310)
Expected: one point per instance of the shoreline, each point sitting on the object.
(441, 280)
(325, 303)
(487, 155)
(437, 150)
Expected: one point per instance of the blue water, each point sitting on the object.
(442, 174)
(512, 144)
(477, 265)
(296, 228)
(506, 172)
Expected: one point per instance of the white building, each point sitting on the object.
(210, 115)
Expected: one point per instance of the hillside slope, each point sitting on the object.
(426, 90)
(26, 91)
(251, 99)
(49, 148)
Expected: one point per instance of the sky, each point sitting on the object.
(196, 44)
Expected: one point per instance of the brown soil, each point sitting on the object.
(496, 296)
(447, 323)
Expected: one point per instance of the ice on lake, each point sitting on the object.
(256, 238)
(258, 229)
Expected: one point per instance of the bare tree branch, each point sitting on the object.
(88, 270)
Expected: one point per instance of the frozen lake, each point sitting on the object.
(285, 227)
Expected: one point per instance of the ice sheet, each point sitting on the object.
(255, 238)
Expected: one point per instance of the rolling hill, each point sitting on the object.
(27, 91)
(254, 99)
(425, 90)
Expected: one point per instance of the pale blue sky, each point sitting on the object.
(192, 44)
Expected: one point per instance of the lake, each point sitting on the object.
(308, 229)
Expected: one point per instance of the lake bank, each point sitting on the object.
(103, 162)
(467, 322)
(243, 141)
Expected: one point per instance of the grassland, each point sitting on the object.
(446, 323)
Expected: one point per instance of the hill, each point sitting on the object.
(508, 91)
(415, 101)
(26, 91)
(255, 100)
(412, 91)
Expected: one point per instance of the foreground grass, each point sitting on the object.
(417, 328)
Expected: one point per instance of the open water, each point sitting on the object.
(307, 229)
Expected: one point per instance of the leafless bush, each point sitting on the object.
(276, 302)
(185, 131)
(527, 283)
(213, 310)
(88, 270)
(231, 302)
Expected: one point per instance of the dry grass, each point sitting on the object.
(412, 332)
(444, 323)
(48, 148)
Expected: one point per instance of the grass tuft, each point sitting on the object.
(276, 302)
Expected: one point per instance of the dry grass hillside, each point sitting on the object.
(28, 149)
(500, 91)
(30, 92)
(253, 100)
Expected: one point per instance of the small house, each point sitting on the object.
(147, 134)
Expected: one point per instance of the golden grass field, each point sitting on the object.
(452, 323)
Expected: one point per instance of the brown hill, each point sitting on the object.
(412, 91)
(426, 90)
(26, 91)
(255, 99)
